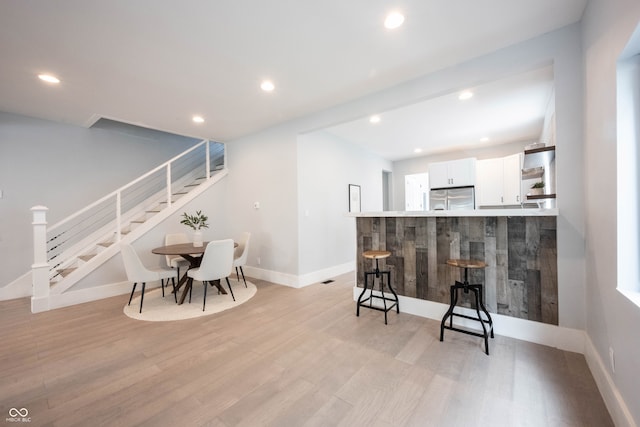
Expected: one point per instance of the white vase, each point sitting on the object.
(197, 238)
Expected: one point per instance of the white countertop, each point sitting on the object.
(475, 212)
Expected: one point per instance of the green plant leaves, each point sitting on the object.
(196, 222)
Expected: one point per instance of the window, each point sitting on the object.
(628, 169)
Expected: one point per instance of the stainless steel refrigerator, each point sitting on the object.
(458, 198)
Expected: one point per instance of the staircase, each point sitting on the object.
(79, 244)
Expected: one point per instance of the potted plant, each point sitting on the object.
(537, 188)
(196, 222)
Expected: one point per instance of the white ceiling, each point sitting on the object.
(156, 63)
(504, 111)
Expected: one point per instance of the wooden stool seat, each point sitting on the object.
(477, 289)
(466, 263)
(377, 255)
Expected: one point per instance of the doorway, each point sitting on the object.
(416, 192)
(386, 191)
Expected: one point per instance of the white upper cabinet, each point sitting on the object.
(456, 173)
(512, 180)
(489, 182)
(498, 181)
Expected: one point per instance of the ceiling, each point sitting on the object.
(156, 63)
(500, 112)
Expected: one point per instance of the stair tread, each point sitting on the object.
(66, 271)
(86, 257)
(105, 244)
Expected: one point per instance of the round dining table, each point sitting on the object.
(191, 253)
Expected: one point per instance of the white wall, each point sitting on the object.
(612, 319)
(64, 168)
(264, 170)
(326, 166)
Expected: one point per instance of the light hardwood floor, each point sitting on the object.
(288, 357)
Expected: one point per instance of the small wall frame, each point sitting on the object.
(355, 205)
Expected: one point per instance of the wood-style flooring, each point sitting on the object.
(288, 357)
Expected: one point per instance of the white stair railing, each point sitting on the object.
(56, 245)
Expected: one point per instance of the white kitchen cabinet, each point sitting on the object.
(455, 173)
(498, 181)
(512, 181)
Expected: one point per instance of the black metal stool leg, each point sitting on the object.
(364, 290)
(384, 300)
(455, 288)
(449, 312)
(485, 334)
(484, 309)
(393, 292)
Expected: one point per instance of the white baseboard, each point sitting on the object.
(272, 276)
(327, 273)
(294, 281)
(613, 400)
(540, 333)
(19, 288)
(81, 296)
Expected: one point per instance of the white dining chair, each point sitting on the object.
(240, 255)
(176, 261)
(138, 273)
(217, 264)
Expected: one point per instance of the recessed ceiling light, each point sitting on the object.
(418, 150)
(198, 119)
(267, 86)
(464, 95)
(374, 119)
(48, 78)
(393, 20)
(484, 139)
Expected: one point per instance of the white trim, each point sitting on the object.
(610, 394)
(327, 273)
(19, 288)
(294, 281)
(94, 293)
(38, 305)
(527, 330)
(632, 296)
(81, 296)
(272, 276)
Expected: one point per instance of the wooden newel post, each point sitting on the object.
(40, 267)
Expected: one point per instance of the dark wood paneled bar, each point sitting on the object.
(519, 247)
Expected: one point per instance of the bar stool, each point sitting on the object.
(478, 293)
(377, 255)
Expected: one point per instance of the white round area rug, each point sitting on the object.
(158, 309)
